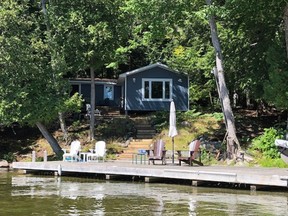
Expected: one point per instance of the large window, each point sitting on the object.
(157, 89)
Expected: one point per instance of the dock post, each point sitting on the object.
(194, 183)
(45, 156)
(33, 156)
(197, 183)
(59, 171)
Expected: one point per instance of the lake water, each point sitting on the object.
(50, 195)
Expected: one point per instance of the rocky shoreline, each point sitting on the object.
(4, 164)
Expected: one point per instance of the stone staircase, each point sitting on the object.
(144, 128)
(143, 139)
(133, 147)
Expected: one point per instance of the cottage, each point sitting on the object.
(149, 88)
(152, 87)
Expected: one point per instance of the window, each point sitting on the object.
(108, 92)
(157, 89)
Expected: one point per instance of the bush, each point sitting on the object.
(116, 128)
(9, 157)
(265, 143)
(160, 120)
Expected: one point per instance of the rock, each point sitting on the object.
(4, 164)
(185, 124)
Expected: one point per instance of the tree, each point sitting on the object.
(223, 91)
(31, 92)
(171, 32)
(277, 59)
(247, 32)
(88, 33)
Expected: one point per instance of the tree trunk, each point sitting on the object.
(51, 140)
(63, 126)
(215, 72)
(92, 118)
(223, 91)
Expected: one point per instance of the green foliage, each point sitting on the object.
(113, 149)
(187, 116)
(218, 116)
(278, 74)
(116, 128)
(75, 124)
(270, 162)
(87, 32)
(160, 120)
(265, 143)
(32, 88)
(74, 103)
(9, 157)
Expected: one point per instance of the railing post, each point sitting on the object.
(33, 156)
(45, 156)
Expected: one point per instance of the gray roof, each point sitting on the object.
(138, 70)
(97, 81)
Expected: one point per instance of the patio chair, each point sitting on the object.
(73, 154)
(194, 151)
(158, 152)
(100, 152)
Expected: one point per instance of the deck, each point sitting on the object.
(252, 177)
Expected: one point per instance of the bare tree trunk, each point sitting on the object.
(63, 126)
(223, 92)
(51, 140)
(92, 118)
(215, 72)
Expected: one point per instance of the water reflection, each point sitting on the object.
(72, 196)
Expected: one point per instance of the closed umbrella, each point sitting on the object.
(172, 126)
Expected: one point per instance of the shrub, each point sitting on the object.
(265, 143)
(9, 157)
(116, 128)
(160, 120)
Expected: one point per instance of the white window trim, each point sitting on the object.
(156, 80)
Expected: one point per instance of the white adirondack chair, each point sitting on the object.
(73, 154)
(100, 152)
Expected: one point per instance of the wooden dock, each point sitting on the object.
(252, 178)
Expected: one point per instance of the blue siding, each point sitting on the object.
(134, 96)
(86, 92)
(99, 95)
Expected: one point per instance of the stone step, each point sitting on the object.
(146, 131)
(145, 136)
(141, 122)
(138, 146)
(133, 147)
(143, 126)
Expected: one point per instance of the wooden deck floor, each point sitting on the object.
(252, 177)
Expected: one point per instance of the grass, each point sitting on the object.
(210, 125)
